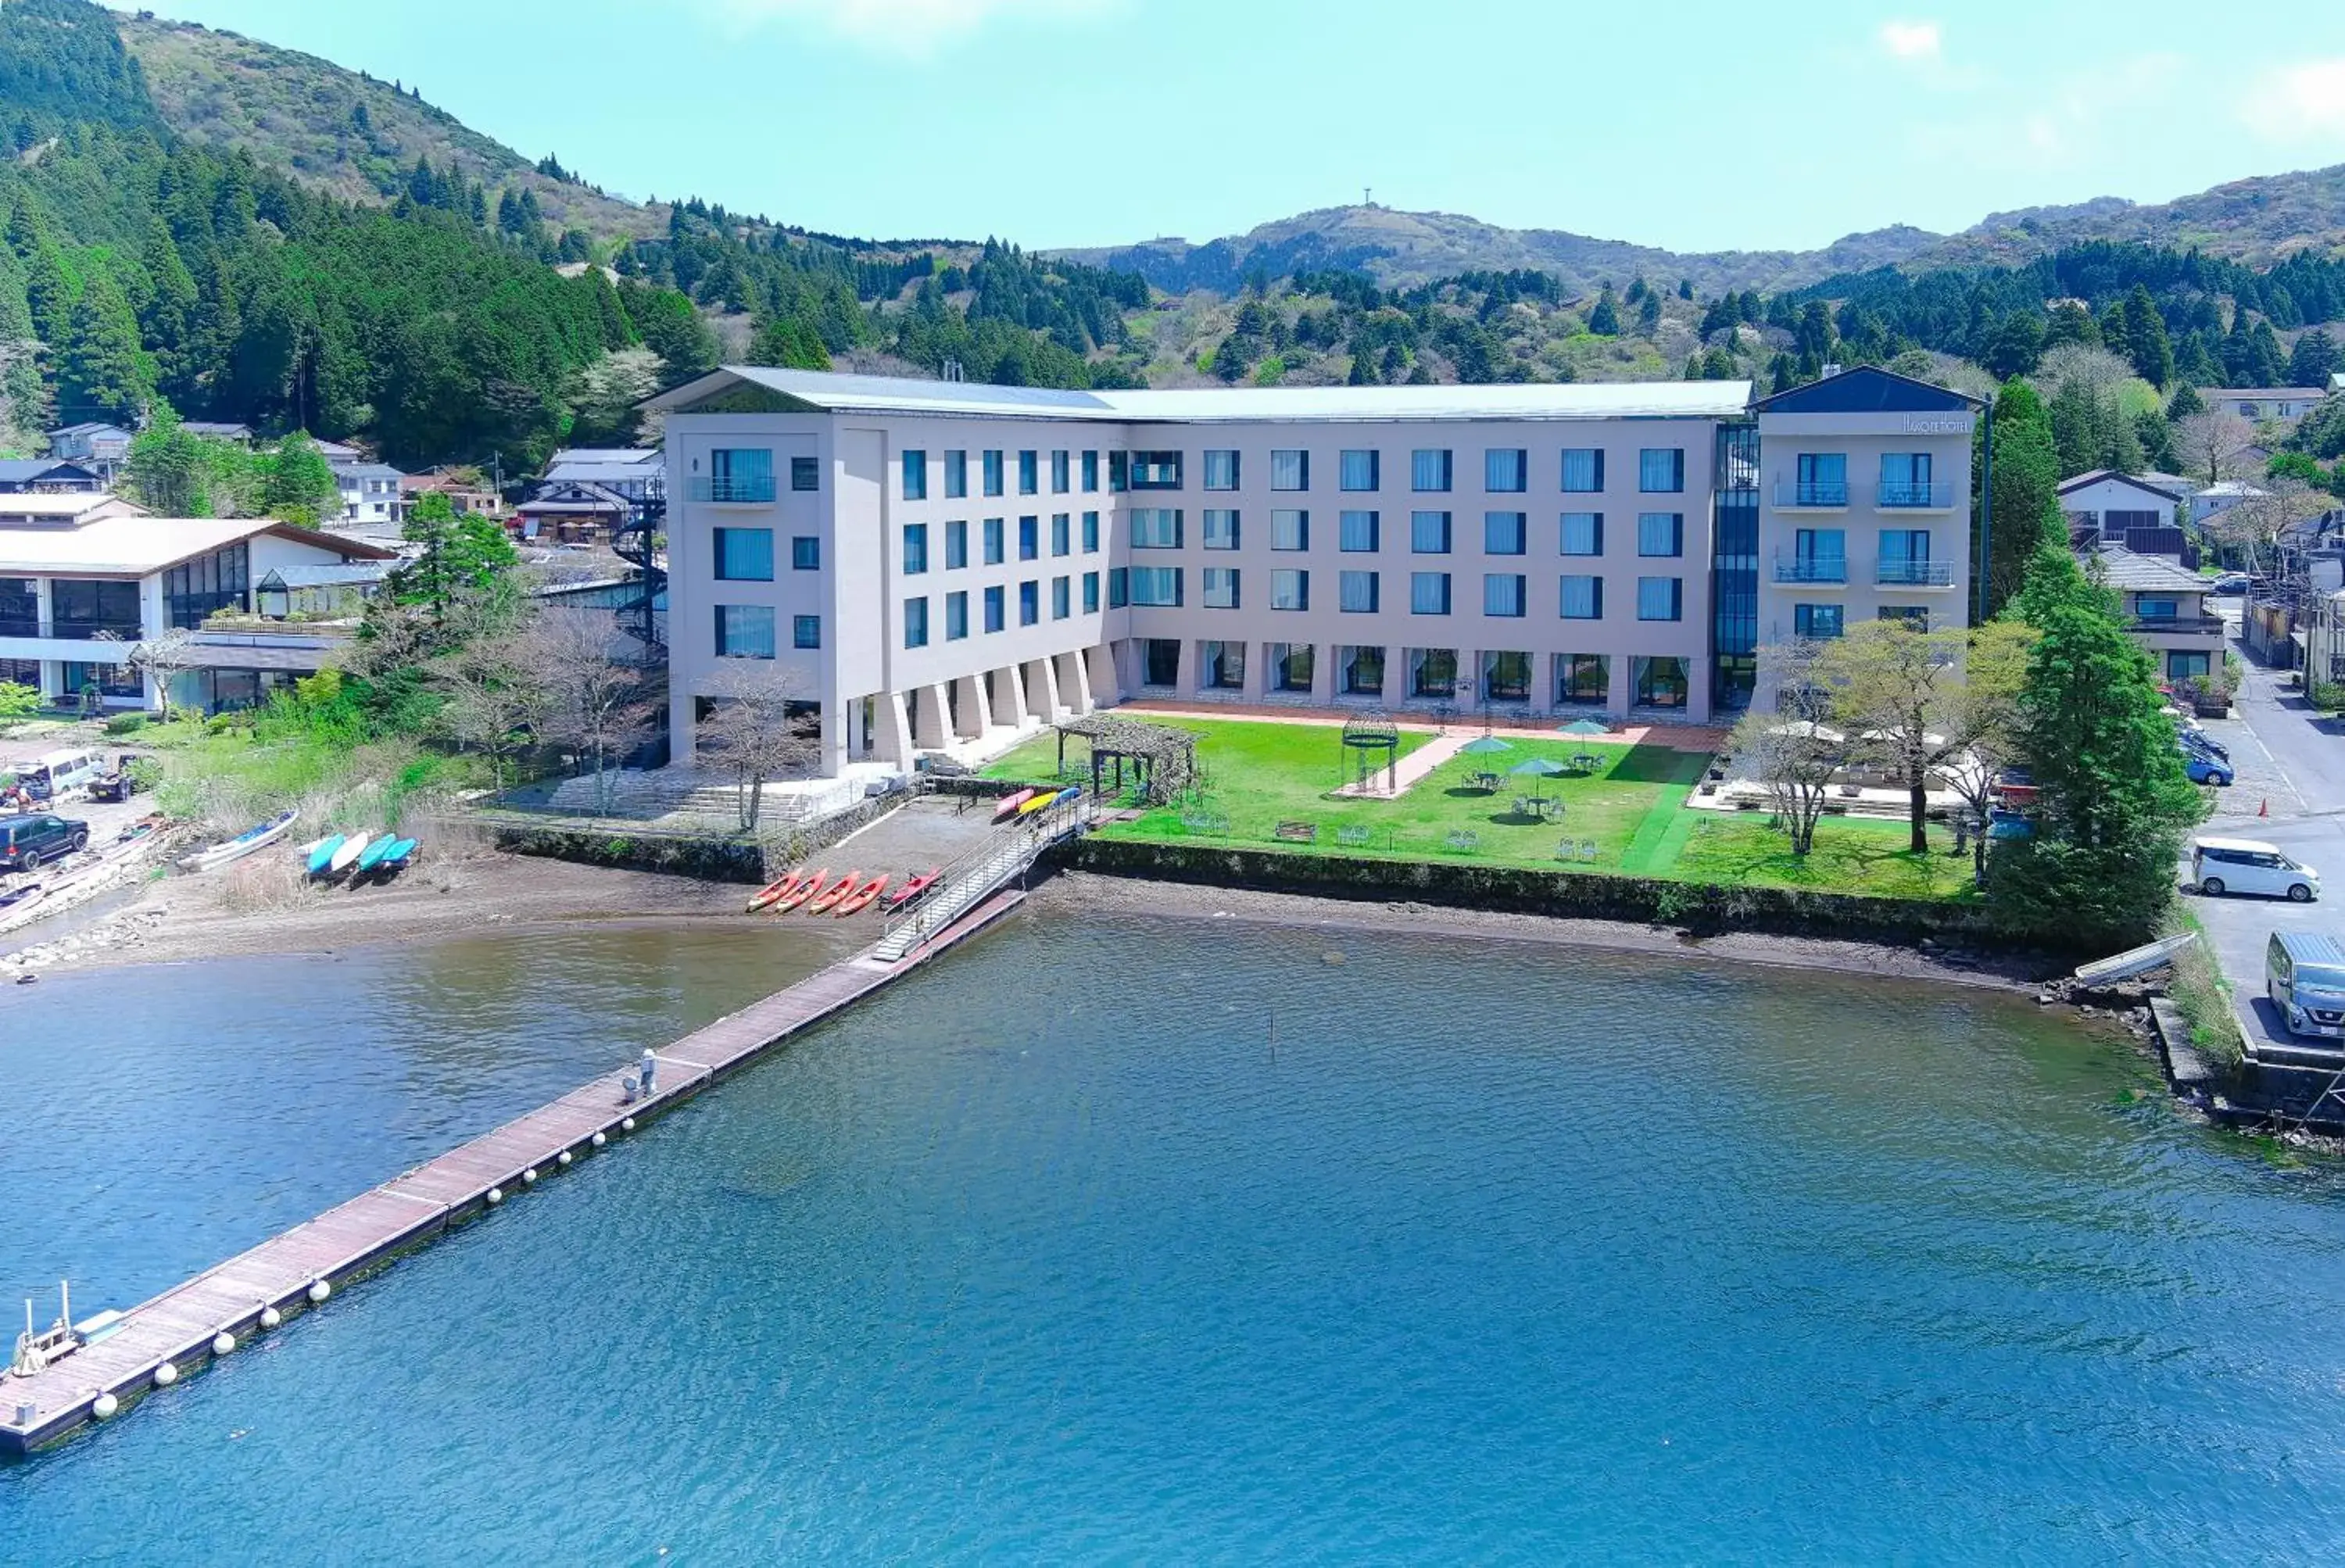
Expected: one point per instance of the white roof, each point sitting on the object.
(631, 455)
(46, 507)
(822, 392)
(134, 546)
(2239, 487)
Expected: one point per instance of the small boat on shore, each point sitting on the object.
(250, 841)
(800, 893)
(861, 897)
(827, 899)
(322, 853)
(401, 856)
(17, 899)
(1010, 805)
(372, 855)
(346, 854)
(913, 888)
(773, 892)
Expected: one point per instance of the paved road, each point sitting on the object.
(2290, 792)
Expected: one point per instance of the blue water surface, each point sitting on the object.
(1141, 1240)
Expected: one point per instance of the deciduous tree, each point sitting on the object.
(1794, 751)
(762, 727)
(1894, 688)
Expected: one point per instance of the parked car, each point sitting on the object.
(2220, 866)
(2304, 976)
(129, 776)
(2229, 583)
(2205, 770)
(2203, 743)
(30, 841)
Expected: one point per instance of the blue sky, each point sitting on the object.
(1072, 122)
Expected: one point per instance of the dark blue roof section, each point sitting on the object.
(1868, 389)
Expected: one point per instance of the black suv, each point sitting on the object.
(29, 843)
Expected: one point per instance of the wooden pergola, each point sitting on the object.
(1163, 759)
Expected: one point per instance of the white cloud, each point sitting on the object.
(916, 27)
(2299, 103)
(1912, 40)
(2078, 121)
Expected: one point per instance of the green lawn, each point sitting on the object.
(1849, 857)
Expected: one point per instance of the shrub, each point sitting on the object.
(125, 724)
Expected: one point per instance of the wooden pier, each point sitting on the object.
(302, 1267)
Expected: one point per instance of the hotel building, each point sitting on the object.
(935, 563)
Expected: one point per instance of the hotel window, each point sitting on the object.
(1506, 469)
(956, 474)
(996, 549)
(1290, 590)
(735, 474)
(1660, 534)
(1583, 598)
(1355, 593)
(1221, 588)
(1433, 672)
(1357, 534)
(1029, 472)
(1823, 479)
(1220, 470)
(956, 546)
(806, 473)
(992, 463)
(745, 555)
(1502, 595)
(1428, 471)
(1362, 671)
(1505, 532)
(1290, 470)
(1428, 593)
(1583, 469)
(1030, 538)
(956, 616)
(915, 548)
(1428, 533)
(1029, 602)
(916, 623)
(1160, 661)
(1062, 540)
(997, 612)
(1220, 528)
(1660, 598)
(1091, 532)
(1156, 587)
(1659, 682)
(1061, 472)
(1090, 473)
(1583, 678)
(1507, 677)
(916, 476)
(1119, 471)
(1290, 530)
(1119, 587)
(1357, 470)
(1091, 593)
(805, 631)
(1661, 470)
(1905, 555)
(1583, 532)
(1155, 527)
(1913, 616)
(745, 631)
(1290, 666)
(1221, 666)
(1155, 470)
(1816, 622)
(805, 553)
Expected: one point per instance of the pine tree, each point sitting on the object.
(1604, 321)
(2146, 344)
(2025, 510)
(48, 294)
(1648, 314)
(2314, 360)
(101, 372)
(301, 487)
(1363, 368)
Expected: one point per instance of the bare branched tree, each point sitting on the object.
(163, 659)
(497, 697)
(762, 727)
(1793, 751)
(597, 697)
(2251, 526)
(1982, 716)
(2209, 445)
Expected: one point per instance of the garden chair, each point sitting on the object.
(1567, 851)
(1587, 851)
(1352, 837)
(1464, 840)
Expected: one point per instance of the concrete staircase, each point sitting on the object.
(968, 882)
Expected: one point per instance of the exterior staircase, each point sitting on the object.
(1000, 859)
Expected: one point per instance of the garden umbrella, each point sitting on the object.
(1487, 745)
(1585, 727)
(1537, 767)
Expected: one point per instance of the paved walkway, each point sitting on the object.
(1409, 771)
(1676, 736)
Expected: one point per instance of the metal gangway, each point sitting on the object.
(1004, 857)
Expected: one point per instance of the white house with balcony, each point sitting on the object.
(80, 589)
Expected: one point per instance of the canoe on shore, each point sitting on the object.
(828, 898)
(322, 853)
(773, 892)
(1010, 805)
(253, 838)
(860, 899)
(912, 889)
(797, 895)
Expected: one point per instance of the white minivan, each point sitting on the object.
(2220, 866)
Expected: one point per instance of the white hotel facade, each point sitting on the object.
(936, 563)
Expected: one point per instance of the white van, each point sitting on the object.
(2220, 866)
(57, 775)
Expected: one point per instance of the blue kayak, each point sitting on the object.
(374, 853)
(400, 854)
(320, 857)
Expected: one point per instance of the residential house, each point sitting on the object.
(2131, 509)
(2281, 405)
(104, 447)
(47, 474)
(636, 475)
(2209, 500)
(79, 591)
(64, 509)
(215, 430)
(571, 512)
(371, 495)
(337, 450)
(467, 497)
(2165, 611)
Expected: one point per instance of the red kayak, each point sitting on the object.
(773, 892)
(824, 900)
(911, 890)
(860, 899)
(1010, 804)
(800, 893)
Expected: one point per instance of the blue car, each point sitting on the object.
(2205, 769)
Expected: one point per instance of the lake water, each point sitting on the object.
(1066, 1250)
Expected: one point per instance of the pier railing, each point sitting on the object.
(965, 883)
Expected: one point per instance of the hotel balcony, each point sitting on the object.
(72, 631)
(1914, 575)
(752, 490)
(1818, 496)
(1811, 571)
(1921, 497)
(1811, 495)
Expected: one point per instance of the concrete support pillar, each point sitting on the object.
(1077, 682)
(1043, 687)
(1100, 687)
(932, 720)
(969, 696)
(1009, 697)
(1624, 685)
(895, 737)
(835, 739)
